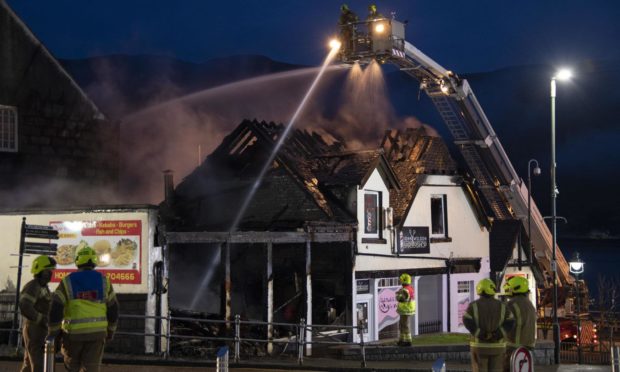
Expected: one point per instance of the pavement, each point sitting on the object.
(310, 364)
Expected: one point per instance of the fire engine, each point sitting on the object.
(383, 39)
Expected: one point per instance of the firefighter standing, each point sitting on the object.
(524, 332)
(34, 303)
(406, 309)
(90, 308)
(488, 320)
(347, 26)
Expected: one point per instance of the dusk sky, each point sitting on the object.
(465, 36)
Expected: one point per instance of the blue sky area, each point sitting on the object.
(465, 36)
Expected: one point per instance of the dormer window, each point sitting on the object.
(372, 209)
(8, 129)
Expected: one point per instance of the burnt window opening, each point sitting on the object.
(8, 129)
(439, 217)
(372, 208)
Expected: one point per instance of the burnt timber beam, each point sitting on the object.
(239, 237)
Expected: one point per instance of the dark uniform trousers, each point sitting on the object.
(487, 359)
(82, 355)
(34, 339)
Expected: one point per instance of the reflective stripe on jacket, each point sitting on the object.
(406, 303)
(85, 308)
(524, 332)
(488, 320)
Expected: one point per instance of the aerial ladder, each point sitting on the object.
(383, 40)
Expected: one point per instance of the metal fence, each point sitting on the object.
(238, 333)
(432, 326)
(599, 353)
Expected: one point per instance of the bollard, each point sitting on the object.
(221, 362)
(361, 327)
(237, 336)
(300, 340)
(615, 359)
(50, 352)
(439, 365)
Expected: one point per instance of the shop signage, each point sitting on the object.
(118, 244)
(363, 286)
(413, 239)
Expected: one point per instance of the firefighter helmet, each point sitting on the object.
(42, 263)
(344, 7)
(86, 256)
(486, 286)
(405, 278)
(517, 285)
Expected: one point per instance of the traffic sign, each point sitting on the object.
(30, 247)
(40, 231)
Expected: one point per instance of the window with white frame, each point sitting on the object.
(372, 210)
(465, 286)
(439, 220)
(8, 129)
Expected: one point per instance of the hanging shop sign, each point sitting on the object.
(413, 239)
(118, 244)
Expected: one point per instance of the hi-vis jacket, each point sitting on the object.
(488, 320)
(524, 332)
(406, 303)
(86, 304)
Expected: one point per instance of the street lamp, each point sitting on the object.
(576, 268)
(529, 203)
(563, 74)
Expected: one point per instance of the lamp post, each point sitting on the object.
(576, 268)
(560, 75)
(529, 203)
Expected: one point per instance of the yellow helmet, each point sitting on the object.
(86, 255)
(517, 285)
(486, 286)
(42, 263)
(405, 278)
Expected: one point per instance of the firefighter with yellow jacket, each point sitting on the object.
(34, 303)
(406, 309)
(86, 304)
(488, 320)
(524, 332)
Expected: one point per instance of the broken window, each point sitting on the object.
(439, 221)
(372, 207)
(8, 129)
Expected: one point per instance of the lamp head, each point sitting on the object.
(537, 171)
(564, 74)
(576, 266)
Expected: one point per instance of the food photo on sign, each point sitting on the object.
(117, 244)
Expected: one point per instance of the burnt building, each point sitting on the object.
(55, 144)
(328, 230)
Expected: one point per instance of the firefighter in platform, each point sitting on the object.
(488, 320)
(34, 303)
(524, 331)
(347, 22)
(373, 13)
(406, 309)
(86, 304)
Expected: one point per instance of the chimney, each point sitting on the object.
(168, 186)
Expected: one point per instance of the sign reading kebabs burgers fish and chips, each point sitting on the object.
(118, 245)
